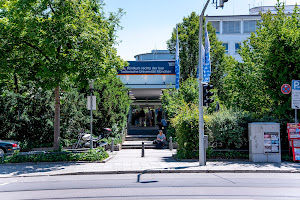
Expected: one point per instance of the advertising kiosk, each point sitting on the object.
(294, 139)
(264, 142)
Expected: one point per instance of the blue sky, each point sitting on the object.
(148, 24)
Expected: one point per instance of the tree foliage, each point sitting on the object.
(188, 35)
(27, 116)
(270, 59)
(113, 104)
(51, 41)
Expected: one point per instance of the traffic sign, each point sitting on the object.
(295, 94)
(286, 89)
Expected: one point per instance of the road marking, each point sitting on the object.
(8, 183)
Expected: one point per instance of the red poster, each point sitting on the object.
(296, 153)
(293, 130)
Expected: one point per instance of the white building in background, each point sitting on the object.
(155, 55)
(232, 30)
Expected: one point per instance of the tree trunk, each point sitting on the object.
(57, 119)
(17, 92)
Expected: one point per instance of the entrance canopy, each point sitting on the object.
(147, 80)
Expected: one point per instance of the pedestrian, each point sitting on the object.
(159, 117)
(160, 139)
(142, 117)
(164, 125)
(137, 117)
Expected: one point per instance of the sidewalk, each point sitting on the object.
(155, 161)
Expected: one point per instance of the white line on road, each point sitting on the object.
(1, 184)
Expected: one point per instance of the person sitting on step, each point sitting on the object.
(161, 138)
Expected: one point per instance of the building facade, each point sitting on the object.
(148, 76)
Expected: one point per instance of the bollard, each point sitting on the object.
(205, 147)
(112, 145)
(170, 144)
(143, 149)
(138, 178)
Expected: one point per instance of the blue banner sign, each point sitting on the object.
(149, 67)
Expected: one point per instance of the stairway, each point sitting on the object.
(137, 135)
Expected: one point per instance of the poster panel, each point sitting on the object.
(293, 130)
(271, 142)
(296, 153)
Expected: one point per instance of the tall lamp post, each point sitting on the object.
(91, 84)
(219, 3)
(200, 63)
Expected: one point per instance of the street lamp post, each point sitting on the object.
(91, 84)
(200, 63)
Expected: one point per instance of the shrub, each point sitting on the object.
(227, 129)
(91, 155)
(112, 105)
(186, 125)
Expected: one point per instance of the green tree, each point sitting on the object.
(271, 58)
(245, 88)
(51, 40)
(112, 104)
(188, 34)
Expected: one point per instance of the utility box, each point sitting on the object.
(264, 142)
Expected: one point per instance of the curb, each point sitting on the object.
(165, 171)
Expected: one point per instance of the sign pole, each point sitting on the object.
(296, 96)
(201, 120)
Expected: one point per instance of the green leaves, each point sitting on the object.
(271, 58)
(188, 34)
(59, 38)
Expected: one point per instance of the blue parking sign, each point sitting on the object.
(296, 84)
(295, 94)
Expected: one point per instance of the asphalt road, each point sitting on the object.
(154, 186)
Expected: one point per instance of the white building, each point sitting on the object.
(232, 30)
(155, 55)
(148, 76)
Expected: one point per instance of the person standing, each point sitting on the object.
(159, 117)
(137, 118)
(142, 117)
(150, 117)
(164, 125)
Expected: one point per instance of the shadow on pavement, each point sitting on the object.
(30, 168)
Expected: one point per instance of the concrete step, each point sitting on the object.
(140, 137)
(136, 143)
(139, 147)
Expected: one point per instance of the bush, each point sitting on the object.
(91, 155)
(228, 129)
(27, 115)
(186, 125)
(113, 105)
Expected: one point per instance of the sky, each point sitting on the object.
(148, 24)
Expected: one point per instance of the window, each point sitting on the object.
(226, 47)
(237, 47)
(216, 25)
(231, 27)
(249, 26)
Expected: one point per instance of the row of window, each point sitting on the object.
(237, 46)
(235, 26)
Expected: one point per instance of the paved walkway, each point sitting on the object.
(155, 161)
